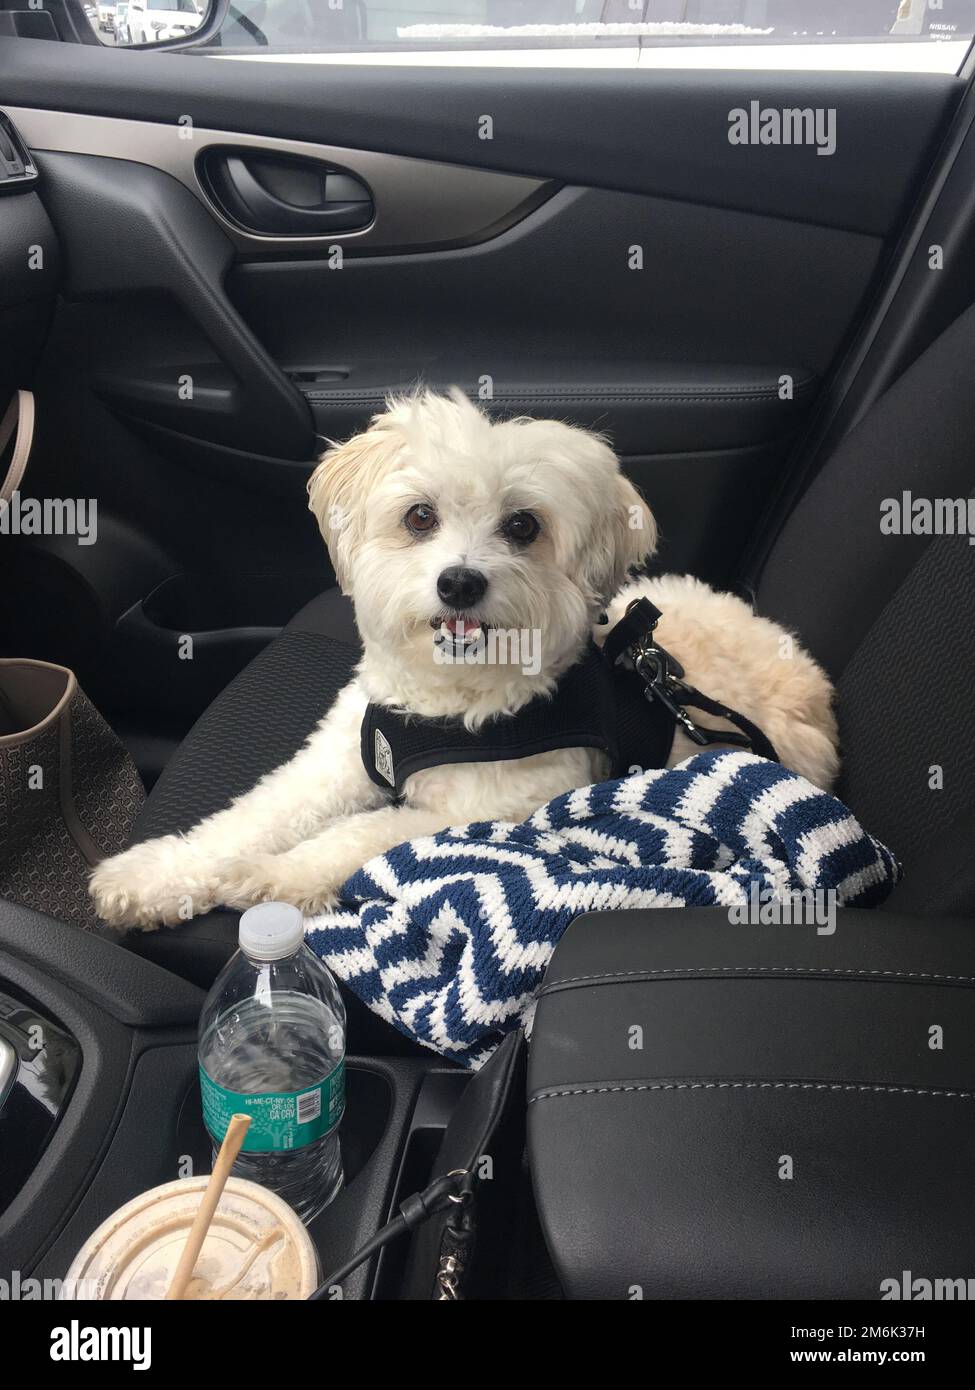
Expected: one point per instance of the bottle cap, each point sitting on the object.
(271, 931)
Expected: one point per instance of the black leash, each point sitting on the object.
(453, 1190)
(631, 644)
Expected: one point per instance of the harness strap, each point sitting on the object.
(581, 713)
(626, 700)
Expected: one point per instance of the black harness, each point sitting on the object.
(626, 700)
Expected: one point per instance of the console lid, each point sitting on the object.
(720, 1111)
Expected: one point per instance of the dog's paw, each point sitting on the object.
(159, 883)
(264, 878)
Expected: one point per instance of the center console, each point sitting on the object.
(99, 1101)
(755, 1111)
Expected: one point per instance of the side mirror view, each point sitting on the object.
(152, 23)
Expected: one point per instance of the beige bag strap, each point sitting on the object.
(19, 417)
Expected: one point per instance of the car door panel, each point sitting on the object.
(127, 224)
(663, 133)
(416, 203)
(28, 282)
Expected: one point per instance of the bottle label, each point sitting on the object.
(279, 1120)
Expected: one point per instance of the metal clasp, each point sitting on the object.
(447, 1280)
(662, 675)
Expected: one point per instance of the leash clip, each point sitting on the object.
(630, 644)
(652, 664)
(659, 671)
(663, 675)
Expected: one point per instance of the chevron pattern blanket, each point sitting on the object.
(447, 937)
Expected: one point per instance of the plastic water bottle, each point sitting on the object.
(272, 1046)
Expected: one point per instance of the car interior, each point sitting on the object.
(211, 268)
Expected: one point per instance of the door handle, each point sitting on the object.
(286, 197)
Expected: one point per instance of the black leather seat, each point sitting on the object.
(891, 618)
(257, 723)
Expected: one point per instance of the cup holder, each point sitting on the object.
(227, 620)
(209, 603)
(395, 1115)
(368, 1101)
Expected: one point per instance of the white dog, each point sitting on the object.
(440, 522)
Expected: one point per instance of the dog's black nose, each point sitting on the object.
(460, 587)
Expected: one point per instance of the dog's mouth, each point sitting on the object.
(458, 631)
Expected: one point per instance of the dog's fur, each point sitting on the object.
(303, 829)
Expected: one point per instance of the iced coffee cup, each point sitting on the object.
(256, 1248)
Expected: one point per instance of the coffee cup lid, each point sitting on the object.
(256, 1247)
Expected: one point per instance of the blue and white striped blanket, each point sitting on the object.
(448, 936)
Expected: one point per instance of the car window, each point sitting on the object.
(690, 30)
(274, 22)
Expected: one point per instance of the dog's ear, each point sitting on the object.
(625, 535)
(340, 486)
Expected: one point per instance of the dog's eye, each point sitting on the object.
(421, 519)
(520, 527)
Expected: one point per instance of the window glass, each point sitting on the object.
(323, 26)
(273, 23)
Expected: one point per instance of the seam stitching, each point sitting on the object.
(875, 1088)
(712, 397)
(695, 970)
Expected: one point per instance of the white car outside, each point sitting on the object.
(151, 21)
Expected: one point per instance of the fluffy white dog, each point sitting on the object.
(443, 527)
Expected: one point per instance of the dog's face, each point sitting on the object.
(444, 527)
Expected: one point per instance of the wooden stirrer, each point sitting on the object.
(229, 1149)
